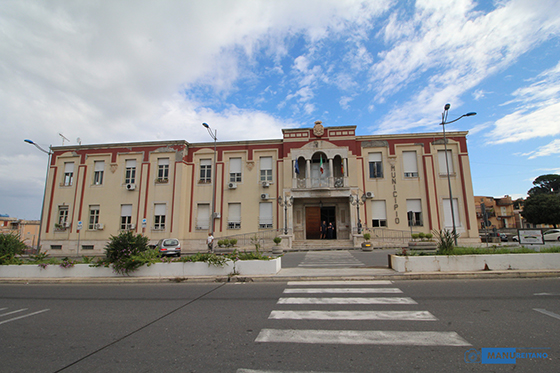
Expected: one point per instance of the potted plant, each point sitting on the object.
(277, 249)
(367, 246)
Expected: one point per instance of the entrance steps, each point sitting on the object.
(316, 245)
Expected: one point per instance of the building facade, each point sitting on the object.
(166, 189)
(499, 212)
(28, 230)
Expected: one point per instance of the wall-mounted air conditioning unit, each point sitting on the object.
(217, 215)
(99, 227)
(369, 194)
(265, 184)
(232, 185)
(131, 226)
(66, 224)
(130, 186)
(264, 195)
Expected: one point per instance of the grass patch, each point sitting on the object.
(486, 251)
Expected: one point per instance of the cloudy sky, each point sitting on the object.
(114, 71)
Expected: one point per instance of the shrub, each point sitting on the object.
(429, 236)
(10, 246)
(445, 241)
(367, 236)
(123, 250)
(421, 235)
(220, 243)
(415, 236)
(277, 240)
(233, 242)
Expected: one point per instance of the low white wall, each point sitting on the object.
(243, 267)
(463, 263)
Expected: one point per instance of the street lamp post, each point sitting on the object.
(443, 123)
(49, 153)
(214, 136)
(356, 201)
(286, 202)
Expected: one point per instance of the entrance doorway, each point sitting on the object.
(314, 215)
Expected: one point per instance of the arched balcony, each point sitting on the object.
(320, 170)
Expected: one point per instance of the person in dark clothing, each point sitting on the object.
(330, 231)
(323, 230)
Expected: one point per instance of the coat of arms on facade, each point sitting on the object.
(318, 129)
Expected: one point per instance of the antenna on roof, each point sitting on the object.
(63, 138)
(79, 141)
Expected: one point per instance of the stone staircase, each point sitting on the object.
(316, 245)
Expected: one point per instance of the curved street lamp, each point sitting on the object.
(214, 136)
(49, 153)
(443, 123)
(355, 200)
(286, 202)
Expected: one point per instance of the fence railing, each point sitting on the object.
(385, 234)
(263, 237)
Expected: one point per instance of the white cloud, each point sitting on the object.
(543, 151)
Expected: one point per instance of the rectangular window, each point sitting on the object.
(203, 216)
(130, 172)
(235, 170)
(234, 216)
(266, 168)
(205, 170)
(93, 217)
(87, 247)
(126, 217)
(375, 165)
(68, 173)
(160, 210)
(410, 164)
(265, 215)
(163, 169)
(56, 247)
(379, 214)
(414, 212)
(98, 169)
(448, 220)
(443, 165)
(62, 217)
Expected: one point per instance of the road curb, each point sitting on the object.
(276, 278)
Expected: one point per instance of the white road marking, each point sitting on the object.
(11, 313)
(363, 337)
(344, 290)
(278, 371)
(353, 315)
(334, 300)
(548, 313)
(363, 282)
(23, 316)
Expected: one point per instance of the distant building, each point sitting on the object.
(165, 188)
(499, 212)
(28, 230)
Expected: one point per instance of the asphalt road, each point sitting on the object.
(402, 326)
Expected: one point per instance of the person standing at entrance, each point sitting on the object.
(330, 231)
(210, 242)
(323, 230)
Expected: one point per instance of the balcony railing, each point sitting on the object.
(321, 182)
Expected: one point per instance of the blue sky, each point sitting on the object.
(117, 71)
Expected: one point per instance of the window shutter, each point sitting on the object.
(410, 164)
(379, 210)
(235, 165)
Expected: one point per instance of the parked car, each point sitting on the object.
(503, 237)
(169, 246)
(552, 235)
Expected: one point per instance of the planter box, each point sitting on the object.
(242, 267)
(469, 263)
(422, 245)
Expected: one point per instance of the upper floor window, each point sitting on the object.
(375, 165)
(205, 170)
(410, 164)
(130, 172)
(68, 173)
(235, 170)
(266, 168)
(63, 216)
(442, 162)
(163, 169)
(98, 169)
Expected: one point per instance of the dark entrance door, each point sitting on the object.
(328, 214)
(312, 222)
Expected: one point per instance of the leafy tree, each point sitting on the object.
(122, 251)
(545, 184)
(542, 208)
(10, 246)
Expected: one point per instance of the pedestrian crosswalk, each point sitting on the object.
(7, 316)
(349, 296)
(332, 259)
